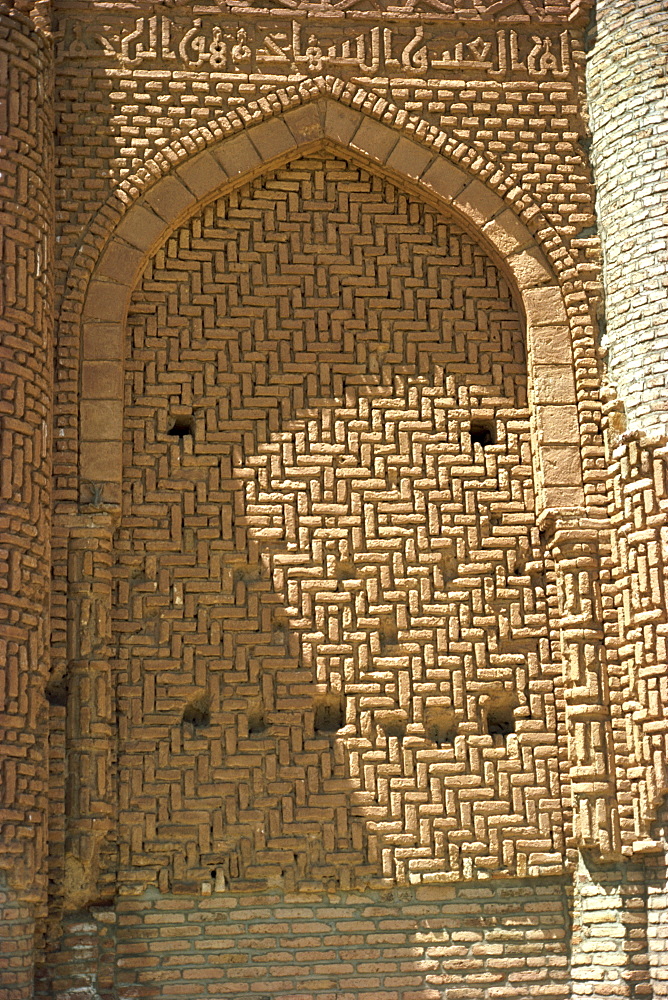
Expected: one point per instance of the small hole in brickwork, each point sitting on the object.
(183, 426)
(218, 879)
(388, 635)
(257, 724)
(440, 726)
(56, 694)
(197, 712)
(483, 432)
(329, 713)
(501, 720)
(393, 723)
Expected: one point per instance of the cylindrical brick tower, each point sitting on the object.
(628, 101)
(26, 204)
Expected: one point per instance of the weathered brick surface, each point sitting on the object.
(637, 630)
(657, 908)
(358, 645)
(26, 166)
(609, 952)
(333, 361)
(510, 122)
(507, 939)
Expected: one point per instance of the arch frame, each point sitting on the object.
(326, 124)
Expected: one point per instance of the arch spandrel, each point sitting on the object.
(328, 124)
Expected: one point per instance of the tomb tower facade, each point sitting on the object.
(334, 500)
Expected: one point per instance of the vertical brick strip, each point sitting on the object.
(639, 489)
(596, 819)
(609, 938)
(657, 908)
(26, 202)
(89, 711)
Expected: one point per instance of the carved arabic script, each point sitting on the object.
(407, 50)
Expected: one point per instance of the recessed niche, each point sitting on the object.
(501, 718)
(56, 693)
(345, 570)
(257, 724)
(330, 713)
(198, 712)
(182, 426)
(218, 879)
(392, 723)
(483, 432)
(388, 634)
(440, 726)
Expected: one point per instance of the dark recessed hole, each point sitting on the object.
(345, 570)
(483, 432)
(450, 563)
(329, 713)
(393, 723)
(56, 694)
(183, 426)
(257, 724)
(198, 712)
(500, 721)
(440, 726)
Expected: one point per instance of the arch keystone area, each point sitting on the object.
(423, 172)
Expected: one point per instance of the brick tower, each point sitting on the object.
(334, 618)
(26, 283)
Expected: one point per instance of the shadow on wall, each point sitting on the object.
(360, 513)
(345, 466)
(334, 662)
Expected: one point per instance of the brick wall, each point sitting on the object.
(26, 163)
(326, 689)
(311, 524)
(609, 951)
(628, 102)
(504, 939)
(637, 628)
(657, 908)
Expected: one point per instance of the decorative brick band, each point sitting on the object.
(237, 158)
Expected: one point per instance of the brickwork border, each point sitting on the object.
(232, 160)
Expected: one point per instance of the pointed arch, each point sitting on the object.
(232, 160)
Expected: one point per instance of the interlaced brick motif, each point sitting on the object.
(332, 608)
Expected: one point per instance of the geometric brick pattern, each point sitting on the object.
(26, 203)
(173, 199)
(367, 635)
(638, 630)
(329, 538)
